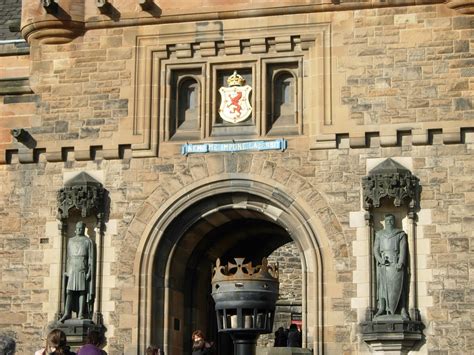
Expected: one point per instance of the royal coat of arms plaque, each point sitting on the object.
(235, 104)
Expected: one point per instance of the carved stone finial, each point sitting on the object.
(390, 179)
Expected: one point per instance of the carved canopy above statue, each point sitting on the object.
(392, 180)
(85, 194)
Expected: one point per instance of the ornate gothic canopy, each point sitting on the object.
(392, 180)
(83, 193)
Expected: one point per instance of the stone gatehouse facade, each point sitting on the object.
(112, 91)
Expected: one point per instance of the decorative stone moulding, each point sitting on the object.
(83, 193)
(392, 180)
(36, 23)
(55, 31)
(462, 6)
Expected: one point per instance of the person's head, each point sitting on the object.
(56, 340)
(95, 338)
(389, 221)
(7, 345)
(151, 350)
(199, 341)
(293, 328)
(80, 228)
(198, 335)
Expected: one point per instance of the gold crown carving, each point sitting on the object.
(241, 271)
(235, 79)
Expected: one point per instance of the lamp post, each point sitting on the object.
(245, 298)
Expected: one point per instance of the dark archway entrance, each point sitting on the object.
(225, 231)
(237, 233)
(221, 219)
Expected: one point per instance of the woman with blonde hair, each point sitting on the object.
(56, 344)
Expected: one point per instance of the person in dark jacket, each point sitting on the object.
(56, 344)
(94, 342)
(280, 338)
(294, 337)
(200, 345)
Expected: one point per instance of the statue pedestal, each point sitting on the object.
(76, 330)
(391, 336)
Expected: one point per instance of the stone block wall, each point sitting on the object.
(289, 301)
(29, 204)
(10, 11)
(408, 69)
(393, 72)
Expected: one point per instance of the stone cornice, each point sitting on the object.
(462, 6)
(48, 29)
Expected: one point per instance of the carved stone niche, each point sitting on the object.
(81, 199)
(391, 188)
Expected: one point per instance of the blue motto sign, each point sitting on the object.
(277, 144)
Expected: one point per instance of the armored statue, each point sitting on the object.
(79, 278)
(391, 254)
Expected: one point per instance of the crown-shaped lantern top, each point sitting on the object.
(241, 271)
(235, 79)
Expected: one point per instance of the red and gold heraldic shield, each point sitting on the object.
(235, 104)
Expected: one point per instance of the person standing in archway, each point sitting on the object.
(200, 345)
(294, 337)
(281, 338)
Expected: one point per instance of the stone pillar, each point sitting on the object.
(63, 234)
(412, 301)
(98, 318)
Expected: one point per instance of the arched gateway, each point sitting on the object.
(216, 217)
